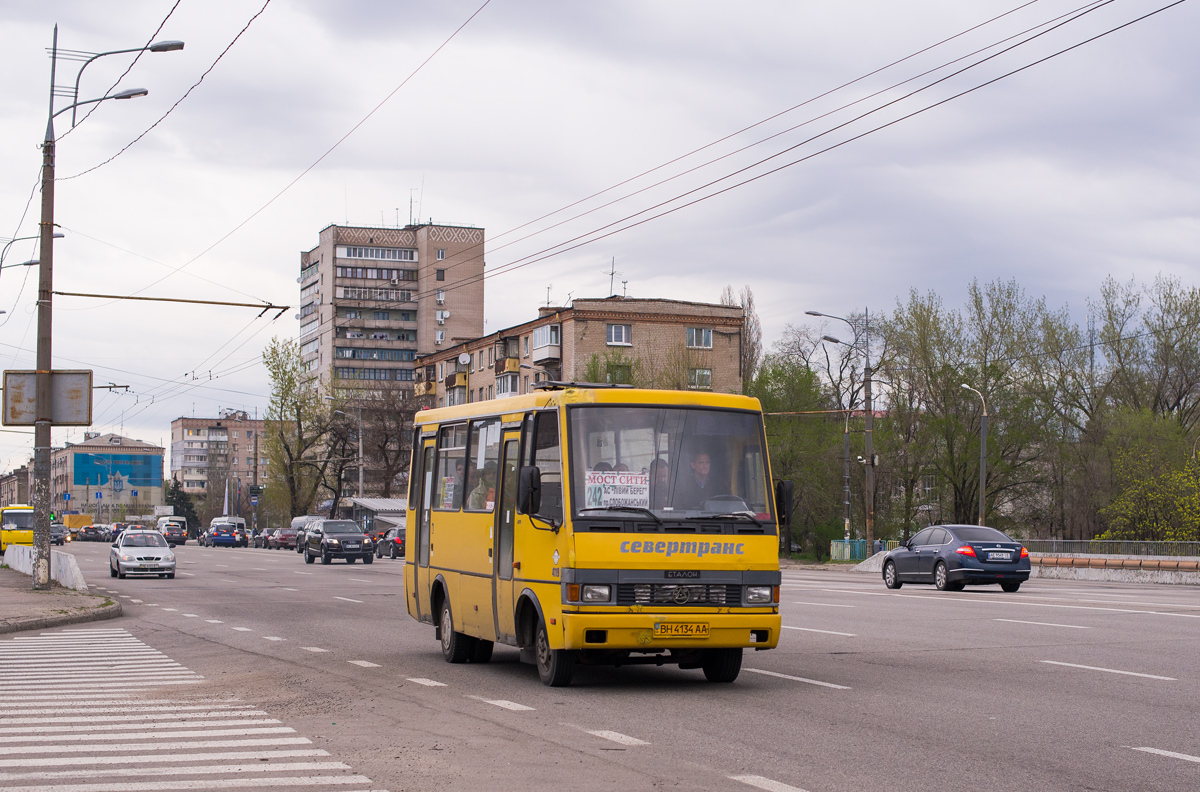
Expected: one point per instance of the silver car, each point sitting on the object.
(141, 552)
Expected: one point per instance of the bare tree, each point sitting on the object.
(751, 349)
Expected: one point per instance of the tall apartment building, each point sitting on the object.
(207, 451)
(643, 342)
(373, 299)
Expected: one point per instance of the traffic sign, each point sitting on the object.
(133, 493)
(253, 500)
(66, 496)
(99, 495)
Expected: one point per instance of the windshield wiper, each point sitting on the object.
(637, 509)
(749, 515)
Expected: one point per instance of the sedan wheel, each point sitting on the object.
(112, 572)
(1011, 586)
(890, 578)
(940, 579)
(394, 554)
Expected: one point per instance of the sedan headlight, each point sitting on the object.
(169, 557)
(759, 594)
(595, 593)
(126, 557)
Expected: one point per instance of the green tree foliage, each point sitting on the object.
(805, 447)
(297, 428)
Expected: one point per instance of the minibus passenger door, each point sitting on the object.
(421, 568)
(506, 515)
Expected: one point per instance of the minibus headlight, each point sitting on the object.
(759, 594)
(596, 593)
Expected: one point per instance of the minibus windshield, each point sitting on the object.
(673, 462)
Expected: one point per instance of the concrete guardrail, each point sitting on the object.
(1109, 562)
(63, 567)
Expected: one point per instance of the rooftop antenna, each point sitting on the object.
(612, 274)
(624, 288)
(548, 287)
(411, 190)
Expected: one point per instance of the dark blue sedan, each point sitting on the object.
(952, 557)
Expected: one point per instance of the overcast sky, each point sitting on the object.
(1077, 168)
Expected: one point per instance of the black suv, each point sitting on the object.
(330, 539)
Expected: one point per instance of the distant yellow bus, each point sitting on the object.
(595, 525)
(16, 526)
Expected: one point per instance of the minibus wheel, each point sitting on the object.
(554, 666)
(456, 647)
(722, 665)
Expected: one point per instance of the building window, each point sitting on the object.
(700, 378)
(348, 353)
(439, 336)
(699, 338)
(619, 374)
(441, 254)
(546, 335)
(441, 274)
(526, 340)
(249, 433)
(620, 335)
(385, 316)
(440, 296)
(384, 254)
(348, 313)
(383, 295)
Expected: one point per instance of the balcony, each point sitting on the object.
(508, 365)
(425, 388)
(548, 352)
(456, 380)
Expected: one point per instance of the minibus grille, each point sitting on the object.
(678, 594)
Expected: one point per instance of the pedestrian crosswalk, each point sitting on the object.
(97, 710)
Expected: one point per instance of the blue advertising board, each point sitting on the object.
(136, 470)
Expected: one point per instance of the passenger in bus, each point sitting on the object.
(484, 495)
(696, 487)
(602, 467)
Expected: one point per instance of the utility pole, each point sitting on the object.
(41, 427)
(846, 475)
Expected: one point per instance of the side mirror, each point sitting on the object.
(529, 490)
(114, 544)
(783, 501)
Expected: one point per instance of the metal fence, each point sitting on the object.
(854, 549)
(1112, 547)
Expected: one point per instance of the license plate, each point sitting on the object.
(680, 630)
(352, 546)
(999, 556)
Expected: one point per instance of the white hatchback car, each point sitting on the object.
(142, 552)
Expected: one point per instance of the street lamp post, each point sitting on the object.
(869, 454)
(982, 451)
(45, 358)
(8, 244)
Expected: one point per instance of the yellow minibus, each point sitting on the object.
(16, 525)
(595, 525)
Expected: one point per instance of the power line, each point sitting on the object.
(177, 102)
(128, 69)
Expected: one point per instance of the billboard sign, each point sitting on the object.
(70, 398)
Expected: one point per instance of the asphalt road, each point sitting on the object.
(1063, 685)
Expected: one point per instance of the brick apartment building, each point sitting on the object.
(14, 487)
(206, 451)
(643, 342)
(373, 299)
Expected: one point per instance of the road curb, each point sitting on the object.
(102, 613)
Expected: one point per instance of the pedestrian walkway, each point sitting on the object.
(97, 710)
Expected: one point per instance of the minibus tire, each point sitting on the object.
(456, 647)
(554, 666)
(721, 665)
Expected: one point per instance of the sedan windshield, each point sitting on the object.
(670, 461)
(342, 527)
(143, 540)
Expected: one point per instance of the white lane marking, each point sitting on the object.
(91, 709)
(1110, 670)
(278, 767)
(796, 678)
(125, 725)
(313, 649)
(192, 615)
(1044, 624)
(171, 609)
(347, 599)
(504, 704)
(150, 735)
(1171, 754)
(58, 761)
(765, 783)
(223, 580)
(826, 632)
(189, 574)
(214, 621)
(358, 580)
(427, 682)
(242, 629)
(617, 737)
(212, 783)
(174, 746)
(304, 573)
(124, 596)
(223, 565)
(137, 601)
(273, 638)
(290, 589)
(364, 664)
(823, 604)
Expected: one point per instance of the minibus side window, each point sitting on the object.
(547, 456)
(414, 477)
(452, 457)
(483, 459)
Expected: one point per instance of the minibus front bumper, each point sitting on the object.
(654, 632)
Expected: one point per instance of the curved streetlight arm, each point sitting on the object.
(4, 251)
(982, 451)
(131, 93)
(965, 386)
(158, 46)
